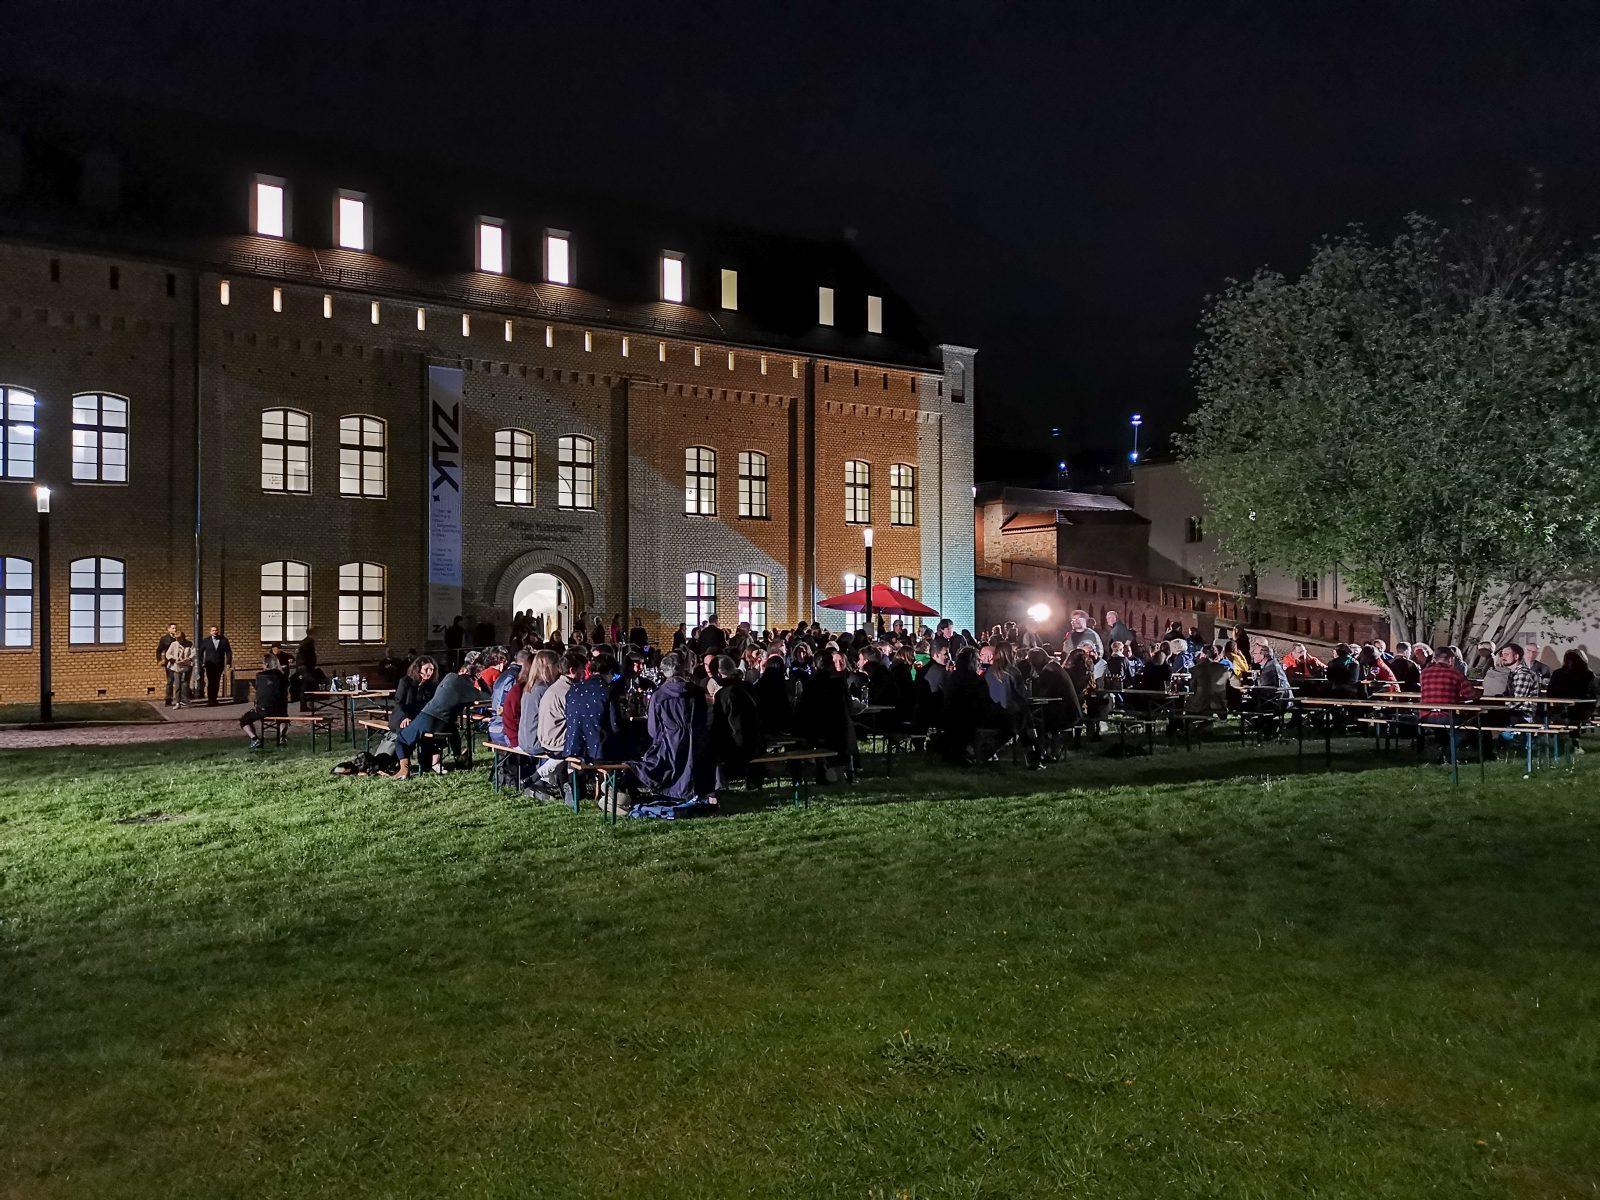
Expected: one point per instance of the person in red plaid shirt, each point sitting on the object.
(1444, 682)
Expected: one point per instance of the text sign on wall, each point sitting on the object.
(444, 497)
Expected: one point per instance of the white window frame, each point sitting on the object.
(352, 220)
(902, 494)
(269, 206)
(489, 246)
(285, 600)
(874, 314)
(824, 306)
(514, 467)
(674, 277)
(279, 457)
(19, 433)
(16, 603)
(853, 583)
(699, 598)
(575, 473)
(558, 259)
(730, 290)
(363, 454)
(99, 438)
(361, 604)
(1310, 587)
(97, 602)
(857, 492)
(906, 585)
(753, 485)
(753, 590)
(699, 481)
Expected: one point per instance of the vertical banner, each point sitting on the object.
(444, 498)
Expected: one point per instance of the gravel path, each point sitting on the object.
(118, 735)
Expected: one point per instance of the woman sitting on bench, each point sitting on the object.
(441, 714)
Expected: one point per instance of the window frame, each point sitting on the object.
(340, 196)
(827, 313)
(906, 585)
(565, 238)
(10, 427)
(572, 469)
(681, 274)
(1310, 587)
(1194, 531)
(699, 496)
(364, 598)
(699, 598)
(853, 583)
(362, 450)
(97, 434)
(730, 289)
(754, 591)
(284, 443)
(857, 492)
(15, 600)
(101, 594)
(754, 486)
(506, 463)
(874, 314)
(285, 594)
(258, 181)
(480, 260)
(902, 495)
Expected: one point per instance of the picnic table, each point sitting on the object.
(345, 701)
(1451, 711)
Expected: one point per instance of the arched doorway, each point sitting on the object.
(550, 599)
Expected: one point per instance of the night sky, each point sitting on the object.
(1058, 185)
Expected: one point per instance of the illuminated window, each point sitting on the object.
(285, 601)
(902, 494)
(269, 212)
(513, 466)
(491, 245)
(327, 306)
(374, 312)
(18, 432)
(753, 600)
(277, 299)
(874, 314)
(588, 341)
(285, 450)
(697, 356)
(557, 256)
(854, 583)
(466, 325)
(574, 473)
(422, 318)
(825, 306)
(97, 594)
(224, 292)
(752, 484)
(350, 221)
(699, 598)
(857, 492)
(508, 331)
(672, 282)
(700, 481)
(624, 347)
(99, 438)
(730, 289)
(958, 383)
(763, 364)
(361, 602)
(361, 457)
(549, 335)
(907, 587)
(16, 602)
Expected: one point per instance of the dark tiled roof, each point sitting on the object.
(183, 193)
(1023, 499)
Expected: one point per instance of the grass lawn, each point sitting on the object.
(121, 711)
(1100, 981)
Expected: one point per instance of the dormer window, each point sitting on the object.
(491, 250)
(730, 290)
(350, 231)
(672, 281)
(824, 306)
(269, 209)
(874, 314)
(557, 256)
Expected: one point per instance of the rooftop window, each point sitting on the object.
(825, 306)
(672, 289)
(269, 214)
(350, 221)
(874, 314)
(491, 245)
(730, 290)
(557, 256)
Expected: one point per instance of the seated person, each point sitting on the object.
(594, 713)
(412, 693)
(966, 707)
(1344, 674)
(1379, 674)
(679, 763)
(441, 714)
(552, 719)
(272, 698)
(499, 688)
(1407, 671)
(736, 733)
(1208, 684)
(1572, 680)
(825, 716)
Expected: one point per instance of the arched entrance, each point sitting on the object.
(550, 600)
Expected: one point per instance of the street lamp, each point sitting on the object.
(866, 543)
(41, 497)
(1133, 455)
(1039, 613)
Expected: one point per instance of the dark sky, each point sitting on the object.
(1059, 185)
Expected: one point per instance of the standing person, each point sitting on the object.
(167, 638)
(616, 630)
(215, 653)
(271, 699)
(306, 676)
(453, 637)
(1079, 634)
(1116, 629)
(180, 662)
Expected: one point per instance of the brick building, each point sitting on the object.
(271, 387)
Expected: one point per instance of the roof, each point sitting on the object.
(1024, 499)
(182, 185)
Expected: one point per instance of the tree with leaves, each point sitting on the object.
(1425, 414)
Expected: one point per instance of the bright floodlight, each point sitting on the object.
(41, 497)
(866, 536)
(1133, 456)
(1039, 613)
(1137, 419)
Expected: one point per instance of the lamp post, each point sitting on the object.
(1133, 455)
(41, 496)
(866, 542)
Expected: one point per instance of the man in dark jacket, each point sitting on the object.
(736, 732)
(594, 712)
(215, 654)
(679, 764)
(272, 699)
(966, 708)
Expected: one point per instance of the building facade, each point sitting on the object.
(272, 424)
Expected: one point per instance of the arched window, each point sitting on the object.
(857, 492)
(854, 583)
(574, 472)
(752, 484)
(513, 466)
(285, 601)
(97, 596)
(18, 431)
(699, 598)
(902, 494)
(700, 481)
(753, 600)
(99, 438)
(907, 586)
(361, 457)
(361, 602)
(16, 602)
(285, 450)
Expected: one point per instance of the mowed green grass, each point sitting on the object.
(1096, 981)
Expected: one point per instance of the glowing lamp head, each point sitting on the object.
(866, 536)
(41, 498)
(1137, 420)
(1133, 456)
(1039, 613)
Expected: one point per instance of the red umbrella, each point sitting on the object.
(885, 600)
